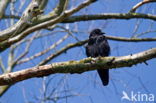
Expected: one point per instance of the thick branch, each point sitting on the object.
(106, 16)
(80, 43)
(24, 22)
(84, 65)
(13, 30)
(7, 43)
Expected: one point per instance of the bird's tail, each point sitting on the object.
(104, 76)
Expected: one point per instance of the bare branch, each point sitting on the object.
(3, 89)
(43, 4)
(11, 16)
(130, 39)
(61, 7)
(26, 50)
(80, 43)
(2, 66)
(106, 16)
(143, 33)
(3, 7)
(60, 18)
(81, 66)
(44, 51)
(25, 20)
(69, 46)
(11, 58)
(140, 4)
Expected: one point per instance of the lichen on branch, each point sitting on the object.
(80, 66)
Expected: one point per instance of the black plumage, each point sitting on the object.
(98, 46)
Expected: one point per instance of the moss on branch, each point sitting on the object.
(80, 66)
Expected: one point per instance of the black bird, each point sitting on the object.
(98, 46)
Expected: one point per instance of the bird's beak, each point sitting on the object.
(103, 33)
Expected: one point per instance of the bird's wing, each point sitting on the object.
(92, 41)
(87, 51)
(103, 46)
(100, 39)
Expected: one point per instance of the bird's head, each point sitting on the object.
(96, 32)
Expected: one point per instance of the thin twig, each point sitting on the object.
(2, 66)
(26, 49)
(69, 46)
(140, 4)
(44, 51)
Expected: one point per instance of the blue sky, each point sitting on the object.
(86, 86)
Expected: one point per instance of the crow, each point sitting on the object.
(98, 47)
